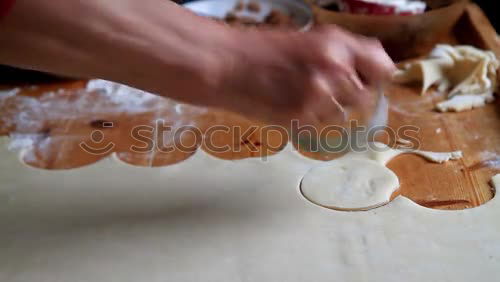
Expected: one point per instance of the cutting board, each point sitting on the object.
(454, 185)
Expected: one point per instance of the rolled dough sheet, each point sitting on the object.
(207, 219)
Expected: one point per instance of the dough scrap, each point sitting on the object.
(462, 70)
(438, 157)
(383, 154)
(217, 220)
(461, 103)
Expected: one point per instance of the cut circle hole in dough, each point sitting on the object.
(350, 185)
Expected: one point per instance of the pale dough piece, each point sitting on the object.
(403, 141)
(464, 102)
(438, 157)
(429, 72)
(350, 184)
(404, 144)
(207, 219)
(466, 70)
(383, 154)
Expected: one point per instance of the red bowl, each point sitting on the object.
(403, 36)
(380, 8)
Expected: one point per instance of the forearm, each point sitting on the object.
(158, 46)
(142, 43)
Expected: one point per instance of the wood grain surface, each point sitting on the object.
(58, 132)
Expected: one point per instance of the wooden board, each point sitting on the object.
(455, 185)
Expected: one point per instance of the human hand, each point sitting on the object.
(278, 76)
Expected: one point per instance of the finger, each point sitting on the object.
(326, 107)
(329, 111)
(340, 76)
(372, 62)
(350, 91)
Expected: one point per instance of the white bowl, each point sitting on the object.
(300, 12)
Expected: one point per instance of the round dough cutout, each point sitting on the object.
(350, 184)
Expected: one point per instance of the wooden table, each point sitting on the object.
(60, 123)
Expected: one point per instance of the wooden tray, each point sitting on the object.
(455, 185)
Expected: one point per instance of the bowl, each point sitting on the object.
(403, 37)
(377, 7)
(300, 12)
